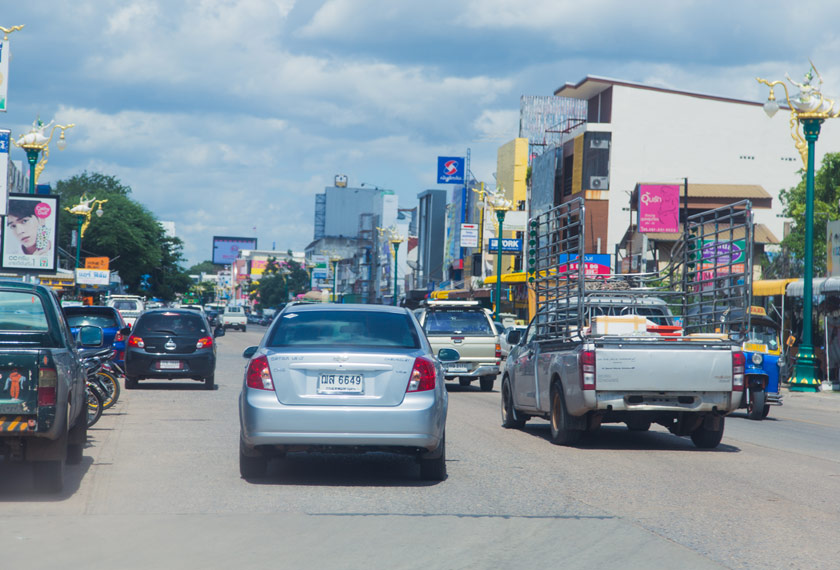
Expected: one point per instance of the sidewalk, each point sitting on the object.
(828, 399)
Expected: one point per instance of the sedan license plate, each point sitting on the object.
(341, 383)
(169, 365)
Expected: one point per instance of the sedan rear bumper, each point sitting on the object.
(417, 422)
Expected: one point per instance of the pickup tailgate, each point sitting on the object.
(661, 367)
(18, 385)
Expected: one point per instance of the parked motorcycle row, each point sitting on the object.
(103, 381)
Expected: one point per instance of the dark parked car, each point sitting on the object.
(108, 319)
(171, 344)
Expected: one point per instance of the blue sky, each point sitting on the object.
(223, 115)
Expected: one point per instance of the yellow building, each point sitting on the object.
(512, 169)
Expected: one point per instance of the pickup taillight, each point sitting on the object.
(587, 370)
(47, 380)
(739, 362)
(498, 352)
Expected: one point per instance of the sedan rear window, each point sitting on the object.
(126, 305)
(457, 322)
(344, 328)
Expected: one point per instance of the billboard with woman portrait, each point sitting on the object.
(29, 233)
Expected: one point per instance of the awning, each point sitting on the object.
(520, 277)
(821, 286)
(767, 287)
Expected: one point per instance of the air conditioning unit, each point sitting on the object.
(599, 143)
(599, 182)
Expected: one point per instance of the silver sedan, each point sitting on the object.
(335, 377)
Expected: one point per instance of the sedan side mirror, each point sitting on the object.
(249, 352)
(449, 355)
(513, 337)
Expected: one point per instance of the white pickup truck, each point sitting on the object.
(129, 306)
(609, 350)
(234, 317)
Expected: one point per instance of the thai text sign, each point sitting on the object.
(469, 235)
(96, 263)
(594, 264)
(92, 276)
(509, 245)
(659, 208)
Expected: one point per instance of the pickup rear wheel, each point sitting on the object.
(706, 438)
(463, 381)
(487, 382)
(510, 419)
(562, 432)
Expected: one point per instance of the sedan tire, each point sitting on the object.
(251, 466)
(434, 468)
(210, 382)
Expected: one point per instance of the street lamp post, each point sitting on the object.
(83, 211)
(335, 259)
(809, 108)
(500, 205)
(395, 239)
(36, 142)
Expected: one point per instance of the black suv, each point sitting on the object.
(171, 344)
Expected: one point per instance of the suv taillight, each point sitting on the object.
(738, 363)
(258, 374)
(422, 376)
(587, 370)
(204, 342)
(136, 341)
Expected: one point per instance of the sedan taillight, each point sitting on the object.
(204, 342)
(422, 376)
(136, 341)
(258, 374)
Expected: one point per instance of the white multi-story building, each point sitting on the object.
(638, 133)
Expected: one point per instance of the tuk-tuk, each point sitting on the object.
(762, 351)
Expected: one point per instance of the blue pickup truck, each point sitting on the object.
(43, 409)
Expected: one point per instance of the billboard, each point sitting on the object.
(595, 265)
(659, 208)
(29, 233)
(450, 170)
(226, 248)
(5, 136)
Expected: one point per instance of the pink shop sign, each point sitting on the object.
(659, 208)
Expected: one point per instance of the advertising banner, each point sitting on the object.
(241, 269)
(5, 136)
(509, 245)
(594, 264)
(226, 248)
(719, 259)
(4, 74)
(92, 276)
(258, 268)
(320, 267)
(659, 208)
(469, 235)
(450, 170)
(29, 233)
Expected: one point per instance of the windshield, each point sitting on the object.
(764, 335)
(344, 328)
(457, 322)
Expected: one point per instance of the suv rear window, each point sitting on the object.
(21, 311)
(170, 323)
(457, 322)
(98, 320)
(344, 328)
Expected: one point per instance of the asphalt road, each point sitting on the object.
(159, 487)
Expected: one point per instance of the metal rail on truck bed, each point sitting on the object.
(705, 278)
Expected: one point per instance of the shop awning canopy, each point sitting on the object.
(520, 277)
(821, 286)
(768, 287)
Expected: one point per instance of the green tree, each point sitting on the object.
(203, 267)
(281, 280)
(128, 234)
(788, 263)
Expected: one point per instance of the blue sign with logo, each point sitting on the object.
(450, 170)
(509, 245)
